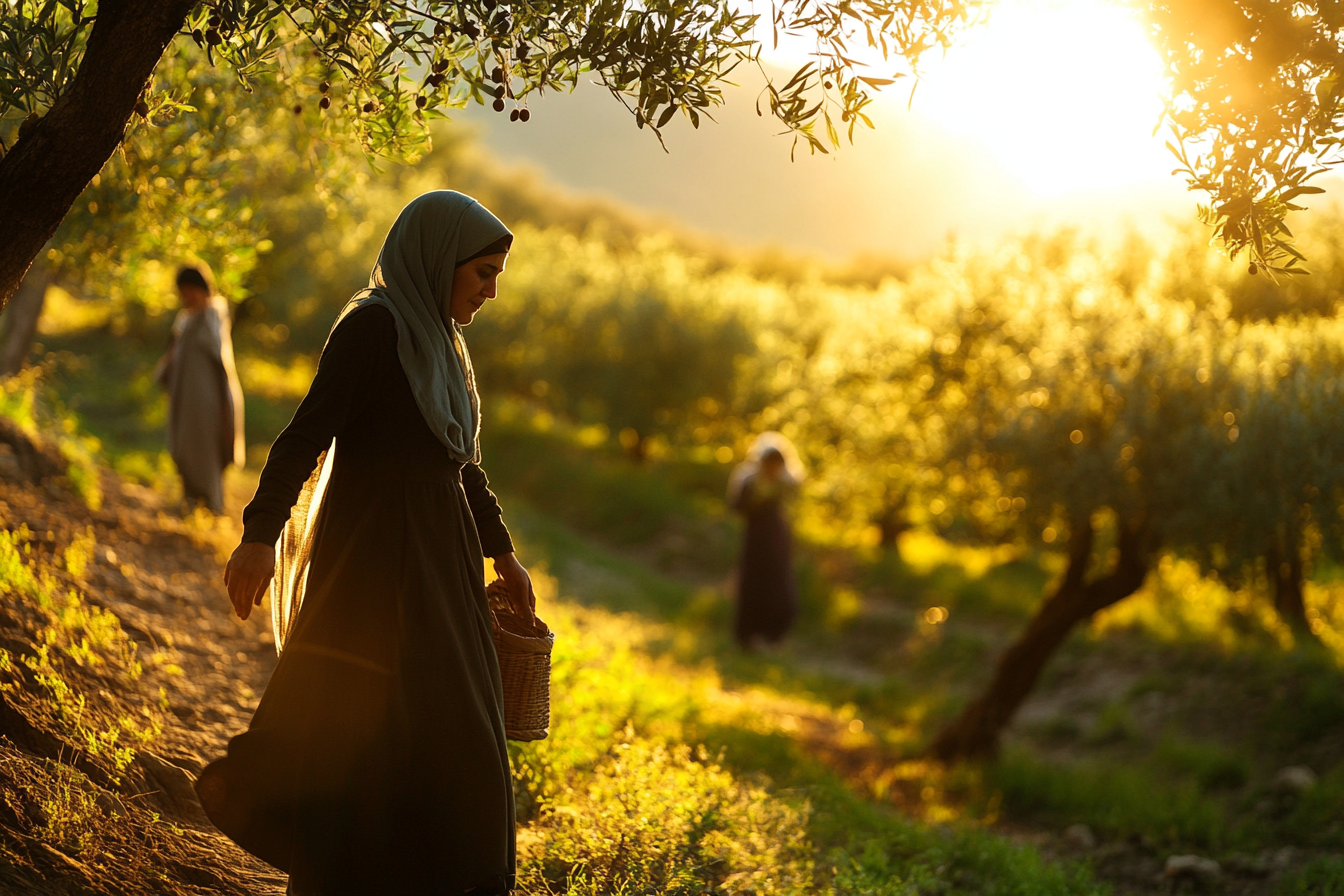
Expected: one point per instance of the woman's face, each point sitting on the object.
(193, 297)
(773, 467)
(474, 284)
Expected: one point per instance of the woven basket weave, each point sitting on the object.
(524, 650)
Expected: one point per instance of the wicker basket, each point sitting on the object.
(524, 650)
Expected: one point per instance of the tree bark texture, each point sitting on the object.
(975, 733)
(1285, 571)
(892, 523)
(20, 321)
(45, 171)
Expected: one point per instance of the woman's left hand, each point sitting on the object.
(518, 583)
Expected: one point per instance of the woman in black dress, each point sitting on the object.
(767, 592)
(377, 761)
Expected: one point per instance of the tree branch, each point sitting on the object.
(43, 174)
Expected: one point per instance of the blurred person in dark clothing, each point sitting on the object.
(767, 591)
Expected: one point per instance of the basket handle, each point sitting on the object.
(500, 605)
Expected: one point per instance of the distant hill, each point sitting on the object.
(900, 191)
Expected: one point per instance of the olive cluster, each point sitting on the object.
(498, 24)
(213, 35)
(492, 20)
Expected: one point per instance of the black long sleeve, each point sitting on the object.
(340, 390)
(359, 358)
(485, 510)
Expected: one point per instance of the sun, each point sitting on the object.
(1065, 94)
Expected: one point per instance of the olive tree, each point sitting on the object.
(1056, 397)
(1086, 411)
(1255, 100)
(77, 77)
(1256, 107)
(645, 342)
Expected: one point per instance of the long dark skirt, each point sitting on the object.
(767, 591)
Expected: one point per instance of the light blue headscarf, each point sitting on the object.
(413, 279)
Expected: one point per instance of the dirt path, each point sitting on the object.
(159, 573)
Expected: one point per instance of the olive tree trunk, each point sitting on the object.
(46, 170)
(1285, 571)
(20, 320)
(975, 733)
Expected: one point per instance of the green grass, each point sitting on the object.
(637, 737)
(1322, 877)
(1184, 795)
(1114, 799)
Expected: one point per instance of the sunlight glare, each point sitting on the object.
(1063, 93)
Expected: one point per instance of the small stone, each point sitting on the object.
(170, 786)
(1080, 836)
(1192, 868)
(111, 804)
(1295, 779)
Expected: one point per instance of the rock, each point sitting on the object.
(1294, 779)
(1195, 868)
(172, 787)
(1080, 836)
(110, 804)
(182, 711)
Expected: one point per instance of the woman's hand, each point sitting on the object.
(250, 570)
(518, 583)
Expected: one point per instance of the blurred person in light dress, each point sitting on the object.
(205, 400)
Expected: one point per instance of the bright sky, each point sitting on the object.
(1041, 116)
(1064, 94)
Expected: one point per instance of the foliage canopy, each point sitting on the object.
(1255, 102)
(1256, 105)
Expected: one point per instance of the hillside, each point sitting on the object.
(692, 768)
(121, 676)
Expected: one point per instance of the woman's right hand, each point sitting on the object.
(247, 576)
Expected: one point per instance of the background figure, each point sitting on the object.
(767, 593)
(205, 401)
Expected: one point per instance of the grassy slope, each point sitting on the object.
(121, 665)
(1160, 747)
